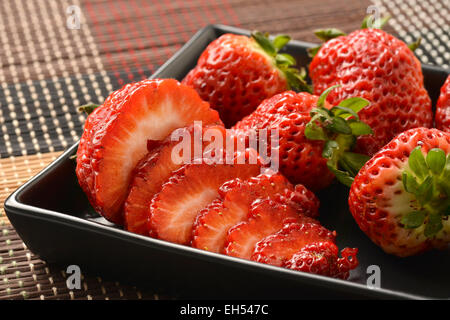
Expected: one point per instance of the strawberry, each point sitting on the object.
(371, 64)
(234, 202)
(116, 134)
(401, 197)
(154, 170)
(265, 217)
(235, 73)
(442, 117)
(279, 247)
(315, 139)
(322, 258)
(174, 209)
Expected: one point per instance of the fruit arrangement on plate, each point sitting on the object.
(229, 159)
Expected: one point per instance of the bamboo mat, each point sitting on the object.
(47, 70)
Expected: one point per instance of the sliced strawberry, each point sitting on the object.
(233, 205)
(121, 127)
(189, 190)
(156, 168)
(265, 217)
(322, 258)
(279, 247)
(302, 199)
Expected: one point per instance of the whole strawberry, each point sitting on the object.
(443, 108)
(374, 65)
(315, 140)
(235, 73)
(401, 197)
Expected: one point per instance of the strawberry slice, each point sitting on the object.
(265, 217)
(155, 169)
(322, 258)
(302, 199)
(234, 202)
(191, 188)
(118, 133)
(279, 247)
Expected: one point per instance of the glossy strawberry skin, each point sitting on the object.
(234, 76)
(378, 200)
(442, 118)
(116, 134)
(374, 65)
(300, 159)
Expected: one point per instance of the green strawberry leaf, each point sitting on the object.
(295, 80)
(409, 182)
(314, 132)
(339, 125)
(417, 163)
(360, 128)
(264, 42)
(414, 45)
(436, 160)
(355, 161)
(328, 34)
(280, 41)
(329, 149)
(413, 219)
(88, 108)
(286, 59)
(324, 95)
(320, 114)
(344, 112)
(313, 51)
(342, 176)
(433, 226)
(425, 190)
(356, 103)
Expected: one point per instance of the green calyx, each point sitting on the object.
(324, 35)
(88, 108)
(339, 127)
(428, 179)
(283, 61)
(414, 45)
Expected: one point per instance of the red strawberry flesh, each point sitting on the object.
(189, 190)
(153, 171)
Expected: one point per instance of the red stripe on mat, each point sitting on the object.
(122, 39)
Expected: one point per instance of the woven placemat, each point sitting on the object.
(47, 70)
(22, 274)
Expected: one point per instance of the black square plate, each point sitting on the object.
(55, 220)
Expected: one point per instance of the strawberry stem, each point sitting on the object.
(339, 127)
(88, 108)
(414, 45)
